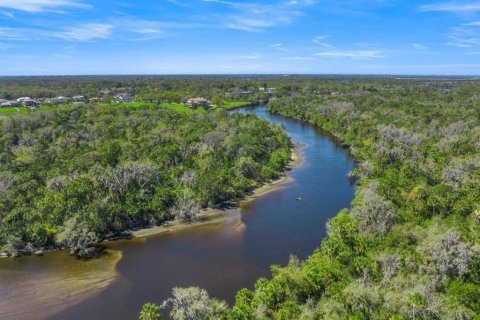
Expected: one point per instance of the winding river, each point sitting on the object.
(221, 257)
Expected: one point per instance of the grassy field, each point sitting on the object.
(234, 104)
(12, 110)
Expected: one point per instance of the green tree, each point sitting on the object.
(150, 311)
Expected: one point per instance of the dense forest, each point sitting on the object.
(71, 177)
(409, 246)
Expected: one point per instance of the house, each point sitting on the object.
(10, 104)
(29, 103)
(198, 102)
(123, 97)
(78, 98)
(43, 101)
(3, 100)
(447, 90)
(26, 102)
(238, 91)
(62, 99)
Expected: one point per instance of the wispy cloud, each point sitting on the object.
(86, 32)
(463, 38)
(472, 24)
(5, 46)
(255, 17)
(252, 56)
(452, 6)
(298, 58)
(419, 46)
(35, 6)
(16, 34)
(320, 40)
(355, 54)
(279, 46)
(7, 14)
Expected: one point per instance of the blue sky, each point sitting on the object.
(56, 37)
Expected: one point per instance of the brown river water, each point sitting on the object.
(221, 257)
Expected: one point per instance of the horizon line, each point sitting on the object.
(416, 75)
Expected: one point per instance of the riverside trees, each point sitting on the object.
(73, 176)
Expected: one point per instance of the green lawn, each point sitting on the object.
(13, 110)
(179, 107)
(26, 109)
(129, 104)
(234, 104)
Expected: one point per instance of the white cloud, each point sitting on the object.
(16, 34)
(463, 38)
(320, 38)
(255, 17)
(5, 46)
(86, 32)
(35, 6)
(279, 46)
(355, 54)
(452, 7)
(419, 46)
(320, 41)
(298, 58)
(472, 24)
(7, 14)
(253, 56)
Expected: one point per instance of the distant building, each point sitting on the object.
(123, 97)
(23, 99)
(62, 99)
(78, 98)
(29, 103)
(94, 99)
(3, 100)
(447, 90)
(10, 104)
(238, 91)
(198, 102)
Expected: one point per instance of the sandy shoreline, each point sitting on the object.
(209, 215)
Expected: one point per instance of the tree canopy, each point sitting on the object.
(74, 176)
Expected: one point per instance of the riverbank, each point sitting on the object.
(213, 215)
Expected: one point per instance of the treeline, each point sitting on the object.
(70, 177)
(409, 246)
(218, 89)
(177, 89)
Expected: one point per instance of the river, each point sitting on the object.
(222, 257)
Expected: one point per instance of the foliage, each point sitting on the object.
(150, 311)
(75, 176)
(193, 304)
(408, 248)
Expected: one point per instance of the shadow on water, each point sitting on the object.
(226, 256)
